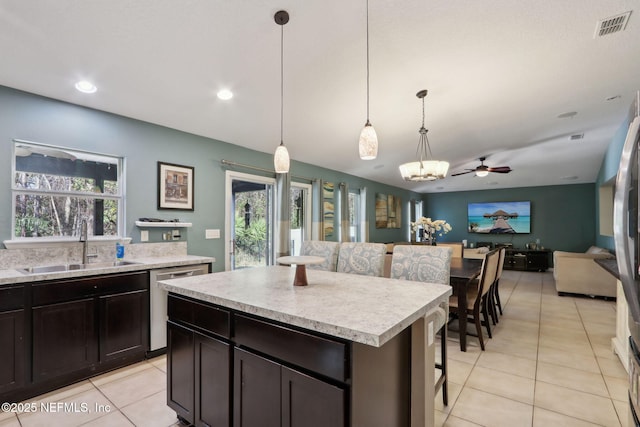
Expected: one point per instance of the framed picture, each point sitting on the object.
(175, 187)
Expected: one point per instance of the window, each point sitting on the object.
(55, 189)
(300, 215)
(356, 216)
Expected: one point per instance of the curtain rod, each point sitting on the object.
(230, 163)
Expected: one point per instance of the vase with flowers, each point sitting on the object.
(431, 228)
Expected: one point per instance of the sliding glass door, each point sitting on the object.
(249, 221)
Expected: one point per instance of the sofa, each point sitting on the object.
(578, 273)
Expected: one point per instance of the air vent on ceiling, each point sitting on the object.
(612, 24)
(576, 136)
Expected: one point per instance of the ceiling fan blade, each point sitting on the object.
(500, 169)
(462, 173)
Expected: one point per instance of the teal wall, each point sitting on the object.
(562, 216)
(39, 119)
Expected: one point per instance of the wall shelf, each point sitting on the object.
(168, 224)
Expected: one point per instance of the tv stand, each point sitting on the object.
(526, 259)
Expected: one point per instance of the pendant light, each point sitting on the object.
(281, 156)
(368, 143)
(425, 169)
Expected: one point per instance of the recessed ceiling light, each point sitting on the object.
(86, 87)
(569, 178)
(567, 115)
(576, 137)
(378, 166)
(225, 94)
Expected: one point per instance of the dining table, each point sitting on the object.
(462, 274)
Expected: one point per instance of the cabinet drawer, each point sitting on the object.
(11, 298)
(199, 316)
(315, 353)
(86, 287)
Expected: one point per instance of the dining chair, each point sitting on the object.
(458, 248)
(326, 250)
(477, 294)
(366, 259)
(495, 294)
(429, 264)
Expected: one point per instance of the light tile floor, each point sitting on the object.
(549, 363)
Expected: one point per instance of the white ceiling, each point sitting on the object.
(498, 75)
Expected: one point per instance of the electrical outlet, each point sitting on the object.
(144, 235)
(212, 234)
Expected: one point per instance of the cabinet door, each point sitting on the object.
(212, 386)
(12, 352)
(124, 325)
(180, 371)
(64, 338)
(256, 401)
(538, 261)
(309, 402)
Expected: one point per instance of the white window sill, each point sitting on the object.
(41, 242)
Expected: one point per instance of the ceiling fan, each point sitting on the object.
(483, 170)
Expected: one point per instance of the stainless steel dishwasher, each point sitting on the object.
(158, 303)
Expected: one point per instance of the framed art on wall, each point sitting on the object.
(175, 187)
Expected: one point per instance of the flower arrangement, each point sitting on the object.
(431, 227)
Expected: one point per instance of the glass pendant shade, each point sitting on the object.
(281, 159)
(425, 170)
(368, 143)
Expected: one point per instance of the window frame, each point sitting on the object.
(119, 197)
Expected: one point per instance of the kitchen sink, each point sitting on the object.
(72, 267)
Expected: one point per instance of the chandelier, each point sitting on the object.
(425, 169)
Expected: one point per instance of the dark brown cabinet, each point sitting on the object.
(256, 391)
(198, 363)
(272, 395)
(12, 339)
(124, 320)
(308, 401)
(53, 333)
(181, 371)
(64, 338)
(526, 259)
(262, 375)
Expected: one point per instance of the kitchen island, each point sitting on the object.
(247, 348)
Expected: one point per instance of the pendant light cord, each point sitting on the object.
(424, 147)
(281, 83)
(367, 61)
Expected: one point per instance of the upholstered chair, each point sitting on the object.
(366, 259)
(431, 264)
(327, 250)
(421, 263)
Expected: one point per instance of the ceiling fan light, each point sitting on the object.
(482, 173)
(368, 143)
(281, 159)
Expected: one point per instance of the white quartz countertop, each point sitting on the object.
(364, 309)
(11, 276)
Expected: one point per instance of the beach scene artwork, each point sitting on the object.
(499, 217)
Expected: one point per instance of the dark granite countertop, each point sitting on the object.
(609, 264)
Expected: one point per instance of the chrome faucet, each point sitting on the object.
(84, 240)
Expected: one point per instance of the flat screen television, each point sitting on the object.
(499, 217)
